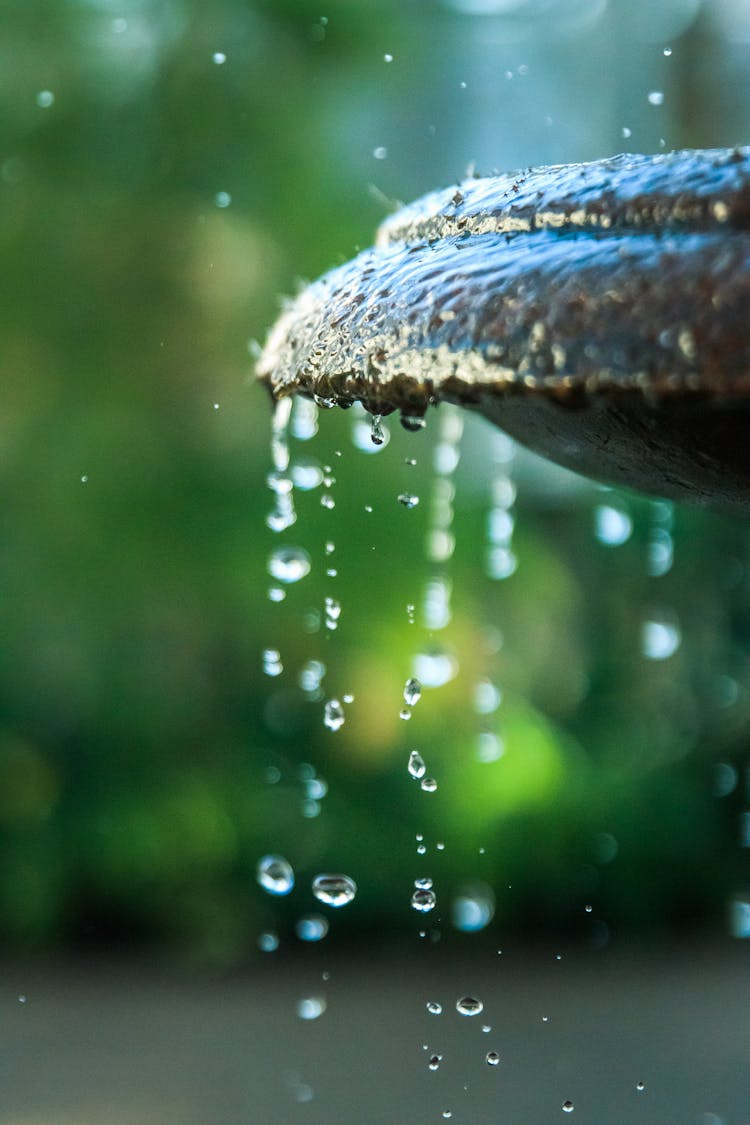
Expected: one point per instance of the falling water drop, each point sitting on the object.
(640, 1087)
(311, 927)
(334, 890)
(417, 767)
(433, 1007)
(311, 1007)
(429, 784)
(412, 691)
(289, 564)
(408, 499)
(272, 665)
(275, 874)
(434, 1062)
(492, 1058)
(567, 1107)
(333, 715)
(423, 901)
(469, 1006)
(268, 942)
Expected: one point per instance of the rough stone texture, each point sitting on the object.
(599, 313)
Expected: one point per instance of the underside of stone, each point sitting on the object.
(599, 313)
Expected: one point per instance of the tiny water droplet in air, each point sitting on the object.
(412, 691)
(380, 152)
(656, 97)
(333, 715)
(667, 52)
(421, 849)
(333, 612)
(311, 927)
(330, 547)
(626, 132)
(660, 639)
(276, 594)
(410, 613)
(222, 199)
(612, 526)
(275, 874)
(216, 406)
(447, 1113)
(429, 784)
(486, 1028)
(469, 1006)
(84, 479)
(413, 423)
(423, 901)
(492, 1058)
(545, 1019)
(327, 501)
(640, 1087)
(22, 999)
(45, 98)
(440, 846)
(567, 1107)
(334, 890)
(462, 85)
(289, 564)
(219, 58)
(387, 57)
(404, 714)
(434, 1061)
(423, 884)
(311, 1007)
(268, 942)
(417, 767)
(588, 908)
(408, 499)
(433, 1007)
(368, 508)
(272, 665)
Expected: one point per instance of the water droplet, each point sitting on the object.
(626, 133)
(311, 1007)
(289, 564)
(311, 676)
(469, 1006)
(487, 697)
(327, 501)
(275, 874)
(440, 846)
(272, 665)
(612, 526)
(330, 547)
(660, 639)
(567, 1107)
(380, 152)
(387, 57)
(404, 714)
(312, 927)
(492, 1058)
(656, 97)
(417, 767)
(276, 594)
(408, 499)
(421, 849)
(433, 1007)
(268, 942)
(377, 435)
(435, 667)
(413, 423)
(219, 58)
(423, 884)
(304, 420)
(45, 98)
(447, 1113)
(486, 1028)
(640, 1087)
(333, 612)
(333, 715)
(334, 890)
(412, 691)
(473, 909)
(222, 199)
(667, 52)
(423, 901)
(588, 908)
(434, 1061)
(306, 475)
(429, 784)
(22, 998)
(489, 747)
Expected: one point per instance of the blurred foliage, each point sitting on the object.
(137, 730)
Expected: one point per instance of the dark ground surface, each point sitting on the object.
(128, 1043)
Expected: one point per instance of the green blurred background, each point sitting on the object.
(167, 171)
